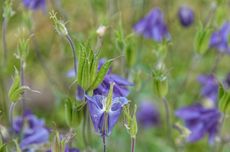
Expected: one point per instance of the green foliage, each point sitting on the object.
(7, 9)
(131, 122)
(109, 98)
(58, 24)
(224, 99)
(16, 90)
(160, 81)
(201, 42)
(73, 112)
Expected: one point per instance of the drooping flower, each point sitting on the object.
(153, 26)
(200, 121)
(68, 149)
(34, 4)
(219, 39)
(209, 88)
(147, 115)
(32, 131)
(186, 16)
(97, 108)
(120, 88)
(227, 81)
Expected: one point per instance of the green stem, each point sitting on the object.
(4, 44)
(22, 64)
(74, 52)
(133, 143)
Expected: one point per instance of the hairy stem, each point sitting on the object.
(74, 53)
(22, 66)
(133, 143)
(4, 44)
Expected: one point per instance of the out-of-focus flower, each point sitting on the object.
(97, 108)
(147, 115)
(227, 81)
(186, 16)
(153, 26)
(34, 4)
(120, 88)
(68, 149)
(31, 130)
(209, 88)
(200, 121)
(101, 30)
(220, 38)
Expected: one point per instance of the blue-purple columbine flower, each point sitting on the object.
(153, 26)
(120, 88)
(209, 88)
(186, 16)
(34, 4)
(68, 149)
(200, 121)
(97, 109)
(31, 130)
(147, 115)
(220, 38)
(227, 81)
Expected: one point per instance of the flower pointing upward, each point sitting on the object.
(105, 111)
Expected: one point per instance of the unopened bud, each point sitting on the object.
(101, 30)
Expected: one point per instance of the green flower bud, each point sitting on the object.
(160, 81)
(7, 9)
(58, 24)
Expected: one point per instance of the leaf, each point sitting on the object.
(101, 74)
(15, 89)
(201, 42)
(224, 99)
(82, 56)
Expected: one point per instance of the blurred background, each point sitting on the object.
(50, 59)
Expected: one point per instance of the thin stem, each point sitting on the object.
(4, 44)
(168, 124)
(74, 53)
(22, 64)
(216, 63)
(104, 143)
(11, 113)
(133, 143)
(104, 131)
(84, 127)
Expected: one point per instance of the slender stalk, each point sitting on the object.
(22, 66)
(11, 112)
(104, 131)
(4, 44)
(74, 53)
(84, 127)
(104, 143)
(216, 63)
(133, 143)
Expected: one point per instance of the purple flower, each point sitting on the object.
(147, 115)
(34, 4)
(227, 81)
(68, 149)
(120, 88)
(219, 39)
(186, 16)
(97, 109)
(31, 130)
(200, 121)
(153, 26)
(209, 87)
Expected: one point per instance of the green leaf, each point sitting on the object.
(15, 89)
(201, 42)
(82, 56)
(101, 74)
(93, 68)
(224, 99)
(18, 149)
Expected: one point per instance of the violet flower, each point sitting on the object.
(97, 109)
(219, 39)
(153, 26)
(31, 130)
(147, 115)
(68, 149)
(209, 88)
(120, 88)
(34, 4)
(186, 16)
(200, 121)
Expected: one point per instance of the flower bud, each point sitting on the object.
(160, 82)
(186, 16)
(109, 98)
(101, 30)
(59, 25)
